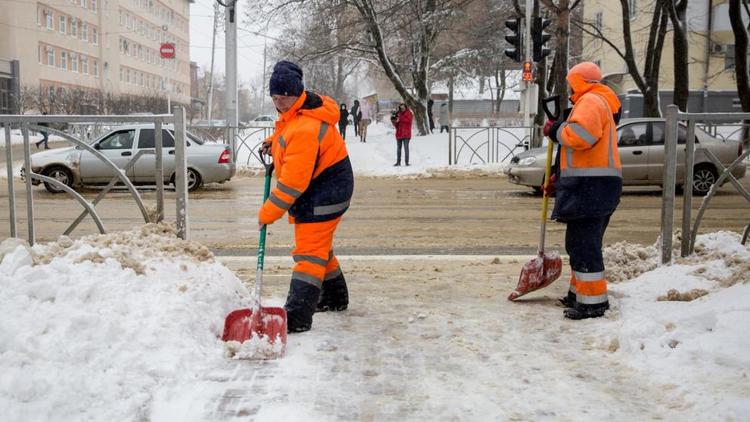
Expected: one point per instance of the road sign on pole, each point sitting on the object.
(167, 50)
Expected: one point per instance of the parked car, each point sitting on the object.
(641, 145)
(74, 166)
(264, 120)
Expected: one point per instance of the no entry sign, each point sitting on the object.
(167, 51)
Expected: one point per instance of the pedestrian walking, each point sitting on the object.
(365, 114)
(356, 115)
(402, 122)
(45, 135)
(343, 120)
(314, 185)
(444, 117)
(588, 184)
(430, 118)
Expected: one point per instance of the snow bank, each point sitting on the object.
(107, 327)
(695, 346)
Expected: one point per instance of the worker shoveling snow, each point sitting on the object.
(88, 335)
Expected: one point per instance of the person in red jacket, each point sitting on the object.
(402, 122)
(314, 185)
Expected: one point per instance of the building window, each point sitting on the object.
(50, 20)
(63, 60)
(62, 25)
(74, 28)
(122, 75)
(74, 62)
(598, 20)
(83, 3)
(93, 5)
(632, 5)
(94, 36)
(50, 56)
(127, 75)
(85, 31)
(122, 18)
(39, 53)
(106, 70)
(84, 65)
(95, 68)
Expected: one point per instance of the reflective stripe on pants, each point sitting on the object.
(313, 251)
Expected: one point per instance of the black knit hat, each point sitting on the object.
(286, 79)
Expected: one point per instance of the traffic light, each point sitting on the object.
(539, 38)
(515, 39)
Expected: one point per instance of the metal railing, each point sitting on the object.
(484, 145)
(31, 122)
(246, 141)
(670, 177)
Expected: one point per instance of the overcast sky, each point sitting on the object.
(250, 47)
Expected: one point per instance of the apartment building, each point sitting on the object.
(711, 50)
(107, 45)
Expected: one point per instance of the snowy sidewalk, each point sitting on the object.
(125, 327)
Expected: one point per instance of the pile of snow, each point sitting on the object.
(719, 255)
(108, 327)
(686, 324)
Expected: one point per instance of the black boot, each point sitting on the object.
(334, 296)
(568, 301)
(581, 311)
(300, 306)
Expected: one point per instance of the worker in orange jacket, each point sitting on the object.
(588, 184)
(314, 185)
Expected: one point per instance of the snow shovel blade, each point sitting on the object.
(538, 273)
(241, 325)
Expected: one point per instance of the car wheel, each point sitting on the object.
(61, 174)
(703, 177)
(194, 180)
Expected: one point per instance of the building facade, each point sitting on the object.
(710, 43)
(110, 46)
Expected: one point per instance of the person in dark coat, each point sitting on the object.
(402, 122)
(356, 115)
(343, 120)
(45, 136)
(431, 120)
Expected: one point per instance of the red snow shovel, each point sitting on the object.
(262, 322)
(541, 271)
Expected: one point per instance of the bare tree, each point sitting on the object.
(736, 8)
(677, 15)
(646, 80)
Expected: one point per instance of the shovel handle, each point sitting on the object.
(262, 236)
(545, 197)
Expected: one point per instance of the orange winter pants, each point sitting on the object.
(313, 252)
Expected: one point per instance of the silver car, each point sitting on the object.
(641, 145)
(73, 166)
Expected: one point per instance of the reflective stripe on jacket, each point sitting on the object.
(314, 176)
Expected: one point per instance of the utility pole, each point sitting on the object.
(213, 55)
(230, 29)
(527, 58)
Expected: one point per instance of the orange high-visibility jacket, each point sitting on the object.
(589, 174)
(314, 176)
(588, 138)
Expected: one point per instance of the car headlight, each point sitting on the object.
(527, 161)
